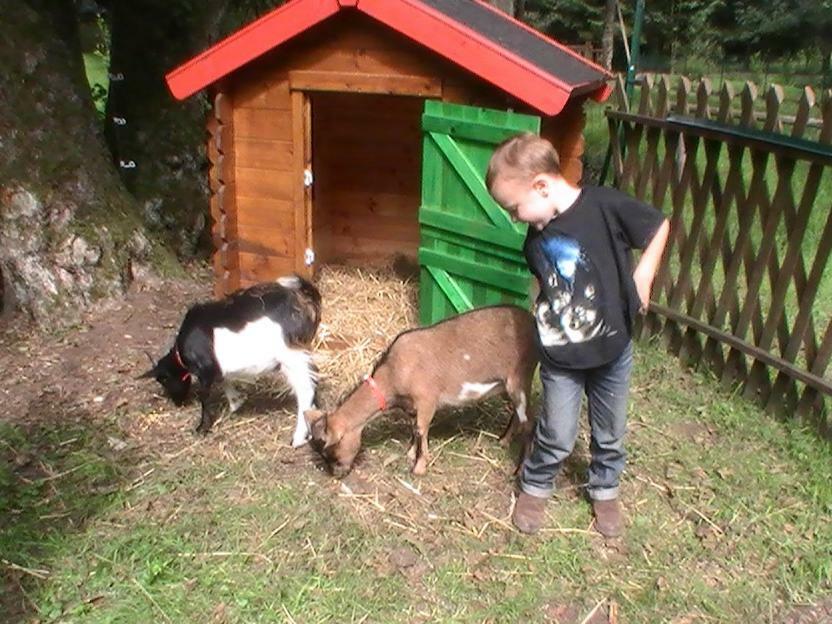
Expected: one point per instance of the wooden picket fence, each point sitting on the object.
(746, 179)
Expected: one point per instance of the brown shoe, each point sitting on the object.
(608, 519)
(528, 513)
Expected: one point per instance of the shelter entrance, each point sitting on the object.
(366, 162)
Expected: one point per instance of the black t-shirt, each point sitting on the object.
(582, 262)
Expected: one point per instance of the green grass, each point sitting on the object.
(96, 66)
(726, 513)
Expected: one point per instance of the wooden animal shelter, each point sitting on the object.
(358, 131)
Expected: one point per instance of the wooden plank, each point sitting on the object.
(464, 129)
(372, 57)
(365, 106)
(809, 398)
(450, 289)
(263, 241)
(787, 272)
(222, 181)
(440, 219)
(357, 247)
(768, 141)
(767, 245)
(374, 228)
(743, 257)
(357, 82)
(462, 240)
(368, 204)
(786, 268)
(678, 229)
(301, 131)
(810, 379)
(498, 278)
(264, 154)
(262, 90)
(259, 268)
(384, 178)
(265, 212)
(720, 247)
(663, 179)
(262, 124)
(472, 180)
(265, 183)
(712, 246)
(699, 205)
(805, 307)
(404, 155)
(632, 137)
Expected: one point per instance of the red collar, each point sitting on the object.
(371, 383)
(186, 375)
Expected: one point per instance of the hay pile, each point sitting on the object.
(362, 311)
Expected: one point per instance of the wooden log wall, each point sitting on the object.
(223, 201)
(264, 182)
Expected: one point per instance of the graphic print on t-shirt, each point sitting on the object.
(570, 310)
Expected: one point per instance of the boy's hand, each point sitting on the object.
(644, 286)
(649, 264)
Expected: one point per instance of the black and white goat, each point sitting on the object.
(265, 328)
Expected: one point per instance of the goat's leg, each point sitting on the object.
(234, 397)
(297, 367)
(424, 415)
(208, 416)
(518, 391)
(413, 451)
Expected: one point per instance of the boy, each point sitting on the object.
(578, 247)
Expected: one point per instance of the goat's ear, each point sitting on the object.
(317, 424)
(312, 416)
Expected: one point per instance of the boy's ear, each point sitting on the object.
(541, 184)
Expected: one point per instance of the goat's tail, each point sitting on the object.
(308, 300)
(302, 285)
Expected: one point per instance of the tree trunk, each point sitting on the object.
(158, 143)
(68, 231)
(520, 9)
(608, 36)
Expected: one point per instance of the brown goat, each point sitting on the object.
(454, 362)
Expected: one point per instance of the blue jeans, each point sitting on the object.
(607, 389)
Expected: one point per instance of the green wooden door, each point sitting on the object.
(470, 252)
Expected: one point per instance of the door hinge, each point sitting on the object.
(308, 177)
(309, 256)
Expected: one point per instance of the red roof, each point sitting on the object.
(470, 33)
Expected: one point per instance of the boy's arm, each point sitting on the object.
(648, 264)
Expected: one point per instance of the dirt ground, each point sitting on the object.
(91, 369)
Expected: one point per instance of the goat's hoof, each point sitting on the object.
(420, 468)
(505, 441)
(299, 440)
(202, 431)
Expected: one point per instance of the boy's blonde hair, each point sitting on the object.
(522, 156)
